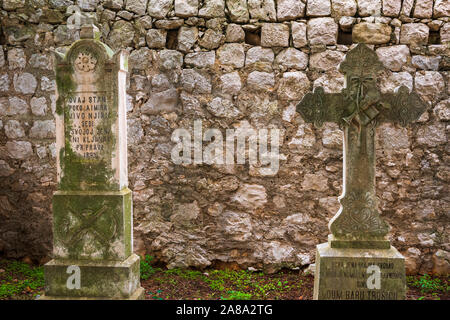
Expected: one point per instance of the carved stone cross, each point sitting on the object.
(358, 109)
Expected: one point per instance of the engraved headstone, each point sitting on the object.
(358, 261)
(92, 209)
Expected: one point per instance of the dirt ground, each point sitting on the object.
(23, 281)
(295, 286)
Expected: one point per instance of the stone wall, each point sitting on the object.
(233, 63)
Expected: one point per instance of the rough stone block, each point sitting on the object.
(13, 106)
(407, 6)
(16, 58)
(235, 33)
(203, 59)
(290, 9)
(170, 59)
(156, 38)
(187, 38)
(391, 8)
(263, 10)
(371, 33)
(395, 80)
(25, 83)
(445, 33)
(346, 23)
(293, 86)
(441, 8)
(195, 81)
(426, 62)
(429, 85)
(211, 39)
(423, 9)
(231, 83)
(121, 35)
(212, 9)
(318, 8)
(136, 6)
(186, 8)
(238, 10)
(14, 130)
(13, 4)
(299, 34)
(261, 80)
(275, 35)
(259, 54)
(291, 58)
(414, 33)
(326, 60)
(322, 31)
(43, 129)
(159, 8)
(393, 57)
(344, 7)
(231, 54)
(369, 7)
(19, 149)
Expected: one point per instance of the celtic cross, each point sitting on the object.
(358, 109)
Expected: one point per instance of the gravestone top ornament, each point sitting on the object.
(358, 109)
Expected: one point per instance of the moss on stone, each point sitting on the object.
(92, 225)
(65, 85)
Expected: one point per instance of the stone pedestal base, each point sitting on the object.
(92, 225)
(102, 280)
(350, 274)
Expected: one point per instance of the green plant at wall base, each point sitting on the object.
(217, 284)
(237, 295)
(147, 269)
(427, 284)
(156, 295)
(435, 296)
(11, 282)
(186, 274)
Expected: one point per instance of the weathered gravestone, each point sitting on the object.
(92, 209)
(358, 261)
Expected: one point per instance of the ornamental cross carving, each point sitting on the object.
(96, 222)
(358, 109)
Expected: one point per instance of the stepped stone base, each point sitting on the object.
(342, 274)
(102, 280)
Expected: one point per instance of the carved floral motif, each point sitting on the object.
(362, 217)
(85, 62)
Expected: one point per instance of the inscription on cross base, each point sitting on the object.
(358, 109)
